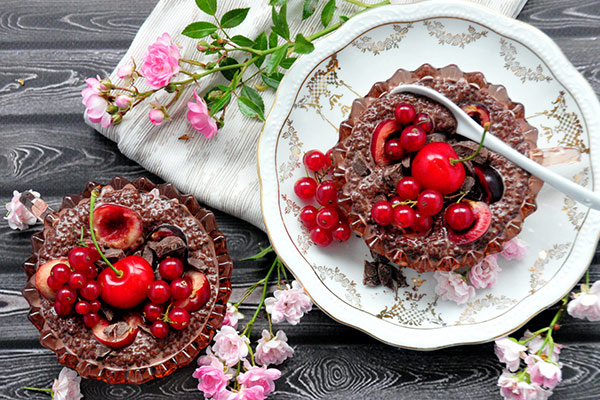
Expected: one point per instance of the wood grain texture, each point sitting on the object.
(54, 46)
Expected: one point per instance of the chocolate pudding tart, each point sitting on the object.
(121, 325)
(380, 169)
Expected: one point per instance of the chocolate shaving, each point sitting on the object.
(370, 276)
(436, 137)
(385, 271)
(108, 313)
(392, 175)
(197, 264)
(145, 328)
(360, 167)
(113, 255)
(101, 351)
(467, 184)
(406, 161)
(148, 255)
(168, 246)
(117, 330)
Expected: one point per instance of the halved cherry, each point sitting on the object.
(490, 181)
(43, 273)
(121, 339)
(479, 113)
(117, 226)
(200, 292)
(382, 133)
(483, 220)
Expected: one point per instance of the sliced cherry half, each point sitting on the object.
(117, 226)
(479, 113)
(43, 273)
(382, 133)
(490, 181)
(482, 221)
(200, 292)
(117, 335)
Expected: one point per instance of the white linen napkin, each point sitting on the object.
(221, 172)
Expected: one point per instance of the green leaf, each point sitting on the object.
(302, 45)
(272, 40)
(261, 254)
(327, 13)
(308, 8)
(219, 104)
(275, 58)
(208, 6)
(250, 109)
(344, 19)
(253, 95)
(260, 43)
(287, 62)
(272, 80)
(242, 41)
(199, 30)
(233, 18)
(280, 25)
(229, 73)
(277, 2)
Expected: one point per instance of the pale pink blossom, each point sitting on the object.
(515, 249)
(485, 274)
(229, 346)
(453, 287)
(66, 387)
(123, 101)
(156, 116)
(272, 350)
(210, 359)
(535, 344)
(260, 376)
(289, 304)
(125, 71)
(199, 117)
(512, 388)
(509, 352)
(95, 104)
(161, 62)
(252, 393)
(18, 216)
(586, 305)
(211, 380)
(232, 316)
(543, 373)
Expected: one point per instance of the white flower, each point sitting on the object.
(289, 304)
(453, 287)
(66, 387)
(484, 274)
(586, 305)
(509, 352)
(272, 350)
(19, 217)
(229, 346)
(232, 316)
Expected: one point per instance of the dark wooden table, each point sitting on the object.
(53, 46)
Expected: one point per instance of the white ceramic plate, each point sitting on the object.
(315, 97)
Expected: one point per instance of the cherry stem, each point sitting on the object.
(454, 161)
(93, 197)
(423, 122)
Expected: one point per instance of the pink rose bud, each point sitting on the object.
(156, 116)
(125, 71)
(123, 101)
(200, 118)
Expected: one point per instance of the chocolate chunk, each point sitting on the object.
(392, 175)
(466, 148)
(145, 328)
(108, 313)
(360, 167)
(406, 161)
(148, 255)
(113, 255)
(467, 184)
(101, 351)
(370, 277)
(378, 258)
(436, 137)
(170, 245)
(117, 330)
(197, 264)
(384, 271)
(399, 277)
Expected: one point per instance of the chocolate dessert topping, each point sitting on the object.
(117, 330)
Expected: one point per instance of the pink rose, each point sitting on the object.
(253, 393)
(509, 352)
(125, 71)
(229, 346)
(586, 305)
(19, 217)
(94, 102)
(535, 344)
(289, 304)
(123, 101)
(546, 374)
(156, 116)
(199, 117)
(515, 249)
(453, 287)
(272, 350)
(260, 376)
(211, 380)
(512, 388)
(232, 316)
(484, 274)
(161, 62)
(66, 387)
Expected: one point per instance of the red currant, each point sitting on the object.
(459, 216)
(60, 272)
(90, 291)
(77, 280)
(160, 329)
(382, 212)
(408, 188)
(342, 233)
(179, 318)
(394, 149)
(404, 216)
(405, 113)
(170, 268)
(321, 237)
(327, 218)
(308, 216)
(91, 272)
(152, 311)
(66, 295)
(329, 157)
(395, 201)
(326, 193)
(430, 202)
(82, 308)
(422, 223)
(90, 320)
(63, 309)
(80, 258)
(413, 138)
(305, 188)
(181, 289)
(93, 251)
(314, 160)
(159, 292)
(94, 306)
(53, 283)
(424, 121)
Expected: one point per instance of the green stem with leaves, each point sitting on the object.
(49, 391)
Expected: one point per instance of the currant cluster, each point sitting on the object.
(326, 223)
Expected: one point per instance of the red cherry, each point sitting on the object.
(326, 193)
(90, 320)
(430, 202)
(77, 280)
(60, 272)
(94, 306)
(405, 113)
(63, 309)
(90, 291)
(53, 283)
(459, 216)
(66, 295)
(382, 212)
(422, 223)
(152, 311)
(393, 149)
(404, 216)
(179, 318)
(413, 138)
(321, 237)
(80, 258)
(329, 158)
(160, 329)
(170, 268)
(408, 188)
(132, 287)
(431, 167)
(82, 308)
(341, 233)
(314, 160)
(159, 292)
(305, 188)
(181, 289)
(327, 218)
(424, 121)
(308, 217)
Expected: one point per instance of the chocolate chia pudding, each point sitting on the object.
(147, 356)
(362, 181)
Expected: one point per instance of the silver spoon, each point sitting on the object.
(467, 127)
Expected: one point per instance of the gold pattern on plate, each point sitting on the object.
(473, 307)
(437, 29)
(567, 126)
(366, 43)
(304, 241)
(335, 275)
(412, 311)
(509, 52)
(286, 169)
(557, 252)
(290, 206)
(571, 206)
